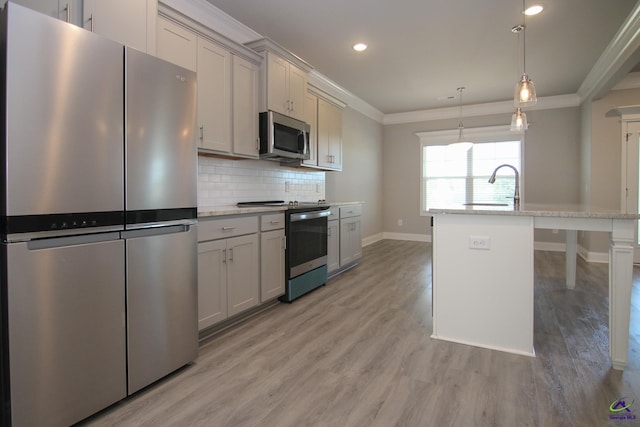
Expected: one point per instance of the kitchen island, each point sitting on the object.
(483, 271)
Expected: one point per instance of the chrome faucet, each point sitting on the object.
(516, 195)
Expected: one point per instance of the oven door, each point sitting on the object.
(306, 242)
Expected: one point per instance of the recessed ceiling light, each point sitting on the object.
(533, 10)
(359, 47)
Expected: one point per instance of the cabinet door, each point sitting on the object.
(125, 21)
(277, 84)
(311, 118)
(68, 11)
(271, 265)
(243, 290)
(176, 44)
(212, 283)
(245, 107)
(333, 246)
(214, 96)
(350, 240)
(297, 92)
(335, 137)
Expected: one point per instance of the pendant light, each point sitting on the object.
(525, 91)
(462, 144)
(519, 121)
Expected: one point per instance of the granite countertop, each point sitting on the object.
(535, 209)
(209, 211)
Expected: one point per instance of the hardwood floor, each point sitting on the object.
(358, 352)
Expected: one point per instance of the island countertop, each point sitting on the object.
(537, 210)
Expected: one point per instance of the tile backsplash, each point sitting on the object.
(223, 182)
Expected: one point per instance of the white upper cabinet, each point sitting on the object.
(283, 79)
(227, 87)
(130, 22)
(329, 135)
(176, 44)
(214, 96)
(245, 107)
(68, 11)
(286, 87)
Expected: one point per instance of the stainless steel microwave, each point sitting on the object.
(283, 138)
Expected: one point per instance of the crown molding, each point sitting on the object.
(210, 16)
(326, 85)
(619, 57)
(502, 107)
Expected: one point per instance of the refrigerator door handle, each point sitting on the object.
(156, 231)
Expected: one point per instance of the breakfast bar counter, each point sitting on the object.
(483, 271)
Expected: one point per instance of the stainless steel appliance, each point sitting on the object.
(161, 213)
(89, 295)
(283, 138)
(306, 254)
(306, 230)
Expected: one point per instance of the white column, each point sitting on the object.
(570, 257)
(620, 282)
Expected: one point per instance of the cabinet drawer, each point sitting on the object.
(350, 211)
(226, 227)
(335, 213)
(271, 222)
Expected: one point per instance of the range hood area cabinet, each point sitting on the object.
(227, 87)
(283, 79)
(129, 22)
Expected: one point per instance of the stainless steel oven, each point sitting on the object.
(306, 253)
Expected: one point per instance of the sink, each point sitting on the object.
(486, 204)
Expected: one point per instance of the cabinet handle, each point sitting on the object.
(258, 144)
(284, 243)
(228, 228)
(275, 221)
(202, 133)
(328, 232)
(91, 20)
(231, 254)
(67, 9)
(292, 106)
(224, 256)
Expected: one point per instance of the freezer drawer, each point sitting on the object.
(161, 302)
(66, 311)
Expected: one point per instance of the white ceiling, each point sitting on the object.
(420, 51)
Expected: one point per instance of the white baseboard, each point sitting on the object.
(372, 239)
(407, 236)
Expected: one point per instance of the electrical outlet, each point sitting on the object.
(286, 186)
(400, 223)
(480, 242)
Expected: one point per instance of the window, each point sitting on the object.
(451, 175)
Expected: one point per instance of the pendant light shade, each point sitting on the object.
(525, 93)
(519, 120)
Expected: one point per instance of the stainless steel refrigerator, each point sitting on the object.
(98, 207)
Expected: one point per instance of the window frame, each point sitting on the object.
(477, 134)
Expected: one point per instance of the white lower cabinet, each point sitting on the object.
(272, 247)
(228, 269)
(333, 241)
(271, 265)
(350, 240)
(350, 234)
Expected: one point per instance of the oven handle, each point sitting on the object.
(308, 215)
